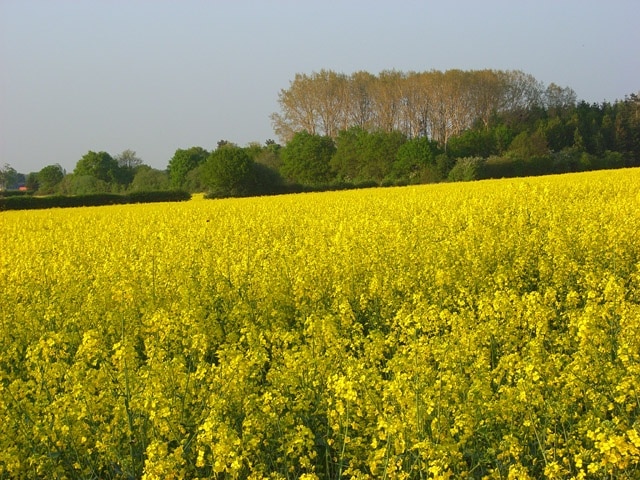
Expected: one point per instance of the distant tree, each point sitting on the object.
(627, 128)
(436, 104)
(228, 171)
(270, 156)
(8, 177)
(128, 162)
(444, 164)
(359, 108)
(413, 156)
(612, 160)
(99, 165)
(466, 169)
(19, 180)
(557, 132)
(149, 179)
(578, 141)
(305, 159)
(254, 149)
(380, 149)
(298, 109)
(526, 145)
(182, 162)
(128, 159)
(32, 182)
(559, 100)
(83, 185)
(387, 92)
(350, 155)
(194, 182)
(266, 180)
(522, 93)
(49, 177)
(475, 142)
(503, 135)
(607, 131)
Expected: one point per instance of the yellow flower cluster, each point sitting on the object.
(482, 330)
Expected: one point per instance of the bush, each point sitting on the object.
(429, 174)
(266, 180)
(149, 179)
(612, 160)
(228, 172)
(466, 169)
(502, 167)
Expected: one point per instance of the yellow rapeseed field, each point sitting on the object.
(479, 330)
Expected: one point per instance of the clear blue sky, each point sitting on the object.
(157, 75)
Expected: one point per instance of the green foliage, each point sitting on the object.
(270, 156)
(380, 150)
(31, 182)
(444, 164)
(228, 171)
(553, 135)
(305, 159)
(350, 153)
(627, 127)
(503, 137)
(8, 177)
(558, 133)
(195, 181)
(75, 184)
(565, 161)
(49, 177)
(502, 167)
(182, 162)
(266, 180)
(149, 179)
(99, 165)
(473, 143)
(128, 160)
(466, 169)
(371, 156)
(527, 144)
(415, 156)
(612, 160)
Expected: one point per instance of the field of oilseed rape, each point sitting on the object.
(478, 330)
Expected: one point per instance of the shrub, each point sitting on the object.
(466, 169)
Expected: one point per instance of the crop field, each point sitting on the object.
(478, 330)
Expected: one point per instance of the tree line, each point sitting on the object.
(340, 131)
(432, 104)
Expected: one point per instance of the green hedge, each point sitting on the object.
(158, 196)
(93, 200)
(15, 193)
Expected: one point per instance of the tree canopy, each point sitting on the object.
(182, 162)
(99, 165)
(8, 176)
(306, 158)
(435, 104)
(49, 177)
(228, 171)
